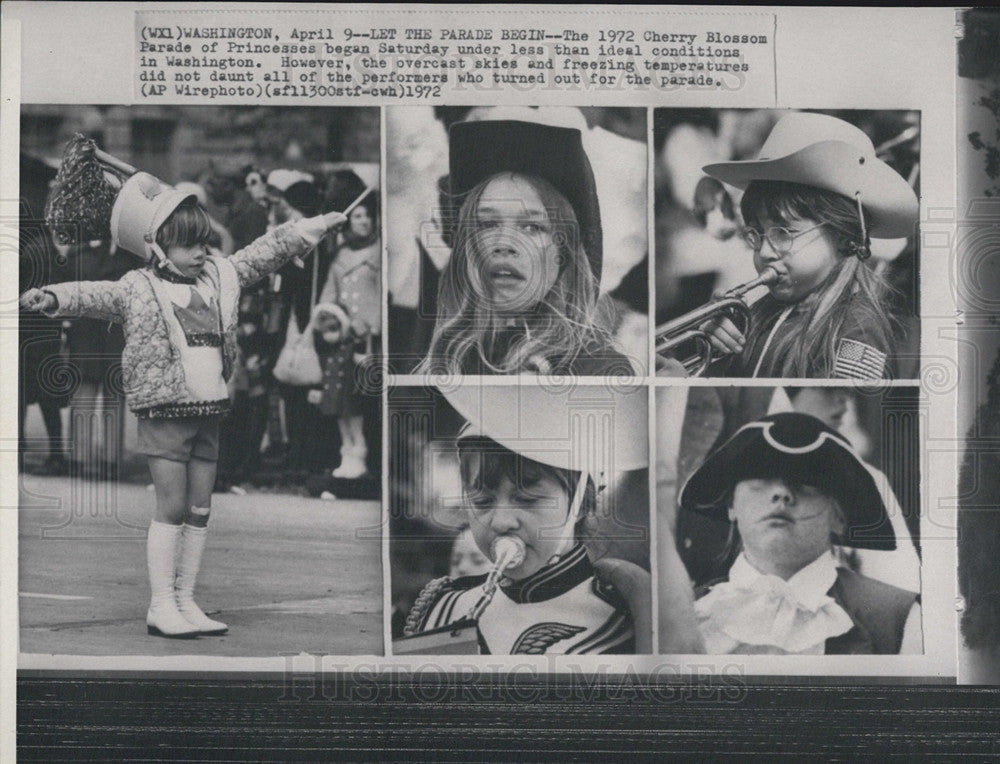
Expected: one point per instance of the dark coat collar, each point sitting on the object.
(167, 273)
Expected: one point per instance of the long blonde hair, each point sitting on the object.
(467, 331)
(853, 289)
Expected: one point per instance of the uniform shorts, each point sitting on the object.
(181, 438)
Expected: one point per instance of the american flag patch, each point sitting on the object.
(856, 360)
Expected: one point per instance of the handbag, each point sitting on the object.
(297, 362)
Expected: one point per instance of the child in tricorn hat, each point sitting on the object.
(792, 487)
(519, 294)
(179, 315)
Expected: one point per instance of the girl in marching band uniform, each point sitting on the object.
(535, 495)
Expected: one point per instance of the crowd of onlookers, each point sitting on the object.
(317, 417)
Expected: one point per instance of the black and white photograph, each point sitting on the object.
(498, 382)
(517, 242)
(795, 512)
(200, 407)
(519, 520)
(786, 243)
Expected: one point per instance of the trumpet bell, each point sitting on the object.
(687, 339)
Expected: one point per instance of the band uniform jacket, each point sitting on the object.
(562, 608)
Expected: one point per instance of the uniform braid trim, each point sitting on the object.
(426, 598)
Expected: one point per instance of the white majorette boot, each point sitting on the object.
(163, 618)
(351, 468)
(345, 466)
(192, 546)
(352, 464)
(361, 452)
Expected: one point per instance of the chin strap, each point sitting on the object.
(863, 250)
(578, 494)
(157, 256)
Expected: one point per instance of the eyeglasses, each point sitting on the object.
(778, 237)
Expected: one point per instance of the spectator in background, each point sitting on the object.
(247, 217)
(259, 341)
(466, 558)
(293, 195)
(338, 397)
(354, 283)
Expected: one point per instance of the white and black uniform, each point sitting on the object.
(561, 608)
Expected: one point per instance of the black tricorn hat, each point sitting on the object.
(800, 449)
(479, 150)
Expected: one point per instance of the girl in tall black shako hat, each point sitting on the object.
(519, 294)
(179, 316)
(812, 200)
(792, 487)
(531, 472)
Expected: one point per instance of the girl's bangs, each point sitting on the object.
(556, 205)
(481, 462)
(782, 203)
(484, 463)
(778, 202)
(187, 226)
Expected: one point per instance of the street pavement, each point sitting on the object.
(288, 574)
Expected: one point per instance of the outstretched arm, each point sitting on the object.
(103, 300)
(277, 247)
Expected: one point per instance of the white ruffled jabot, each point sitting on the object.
(757, 613)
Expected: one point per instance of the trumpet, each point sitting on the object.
(687, 328)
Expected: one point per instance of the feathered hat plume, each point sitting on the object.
(84, 192)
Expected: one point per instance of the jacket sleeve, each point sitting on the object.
(103, 300)
(861, 353)
(275, 248)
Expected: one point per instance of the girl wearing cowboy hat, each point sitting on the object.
(179, 316)
(812, 200)
(526, 485)
(792, 487)
(520, 291)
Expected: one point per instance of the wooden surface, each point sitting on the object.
(330, 718)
